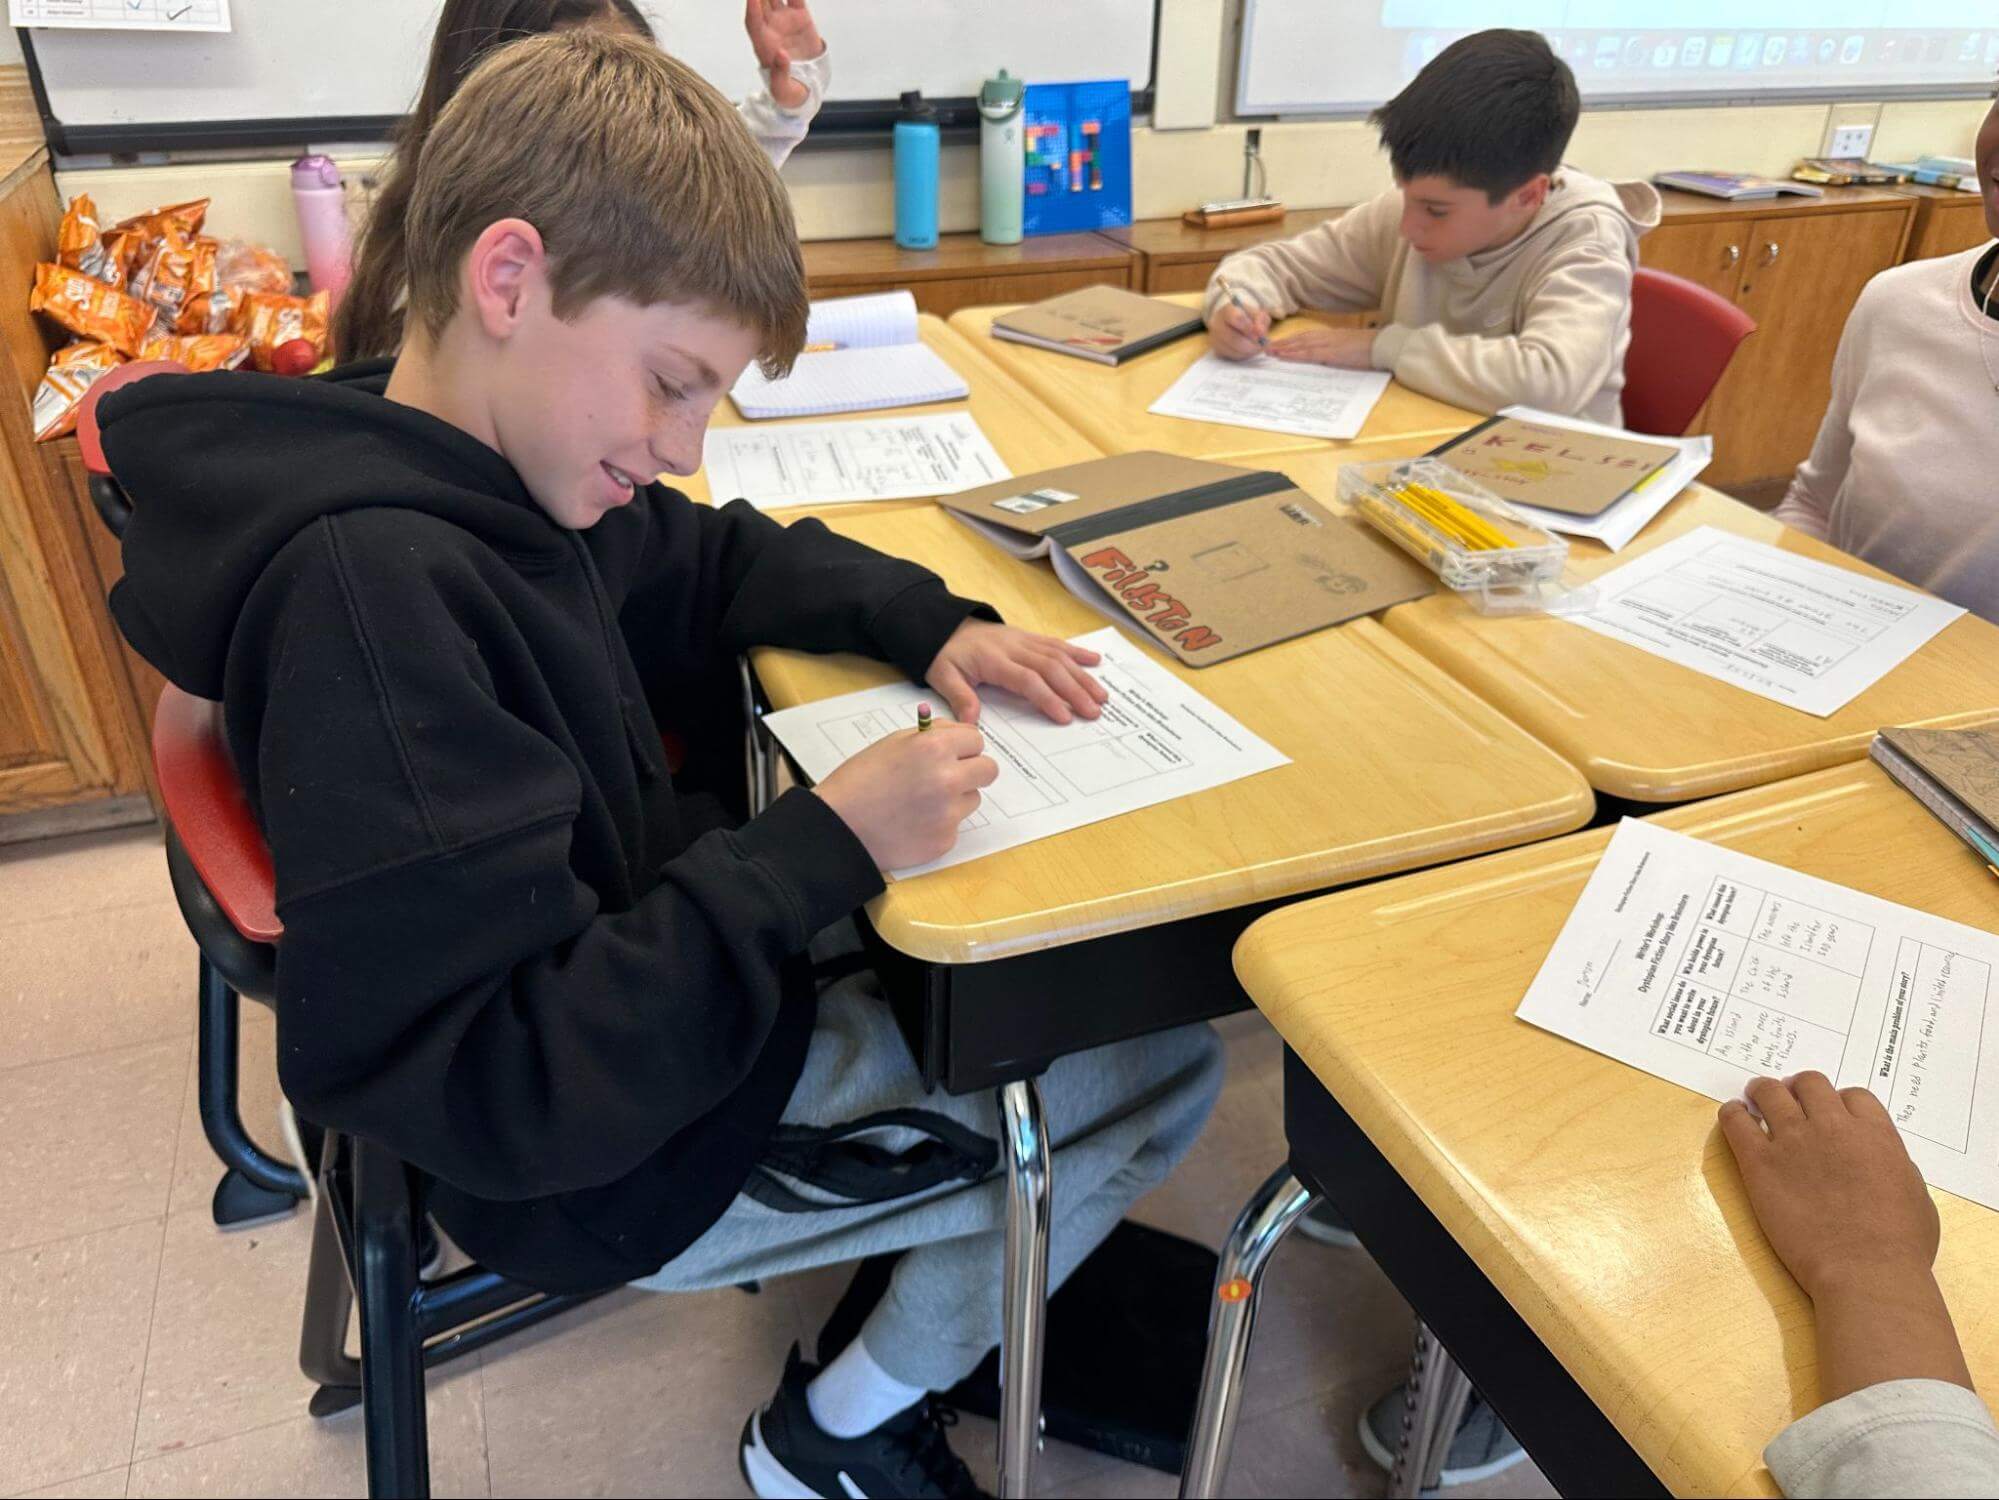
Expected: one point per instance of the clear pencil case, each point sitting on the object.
(1477, 544)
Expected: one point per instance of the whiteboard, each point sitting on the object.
(1346, 56)
(298, 59)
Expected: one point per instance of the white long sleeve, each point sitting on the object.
(777, 129)
(1901, 1437)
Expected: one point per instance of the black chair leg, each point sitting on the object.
(329, 1302)
(256, 1185)
(395, 1422)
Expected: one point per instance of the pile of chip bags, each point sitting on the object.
(156, 287)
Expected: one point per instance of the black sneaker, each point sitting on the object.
(785, 1455)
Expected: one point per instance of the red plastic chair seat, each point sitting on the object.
(206, 805)
(1682, 338)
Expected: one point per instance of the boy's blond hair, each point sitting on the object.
(640, 178)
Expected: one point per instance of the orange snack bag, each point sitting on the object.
(79, 243)
(270, 319)
(183, 219)
(175, 274)
(59, 398)
(200, 351)
(90, 309)
(251, 268)
(122, 248)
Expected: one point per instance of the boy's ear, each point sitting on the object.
(1532, 193)
(505, 263)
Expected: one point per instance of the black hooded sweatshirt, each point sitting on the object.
(507, 956)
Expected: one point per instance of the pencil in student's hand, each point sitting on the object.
(922, 717)
(1262, 340)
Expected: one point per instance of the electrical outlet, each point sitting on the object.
(1851, 141)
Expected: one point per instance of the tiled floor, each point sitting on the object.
(145, 1352)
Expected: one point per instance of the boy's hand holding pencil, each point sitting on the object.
(1239, 329)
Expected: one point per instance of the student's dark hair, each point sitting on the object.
(1491, 110)
(370, 319)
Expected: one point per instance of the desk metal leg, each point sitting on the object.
(1024, 1296)
(759, 744)
(1433, 1407)
(1265, 1220)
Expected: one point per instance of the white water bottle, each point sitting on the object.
(1002, 159)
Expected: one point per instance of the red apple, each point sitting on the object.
(294, 357)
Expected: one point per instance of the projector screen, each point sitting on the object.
(1342, 56)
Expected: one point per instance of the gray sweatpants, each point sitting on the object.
(1119, 1118)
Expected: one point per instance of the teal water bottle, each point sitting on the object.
(1002, 159)
(916, 149)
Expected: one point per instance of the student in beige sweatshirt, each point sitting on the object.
(1505, 278)
(1904, 469)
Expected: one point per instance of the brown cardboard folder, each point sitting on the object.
(1208, 560)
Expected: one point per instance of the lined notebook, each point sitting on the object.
(861, 354)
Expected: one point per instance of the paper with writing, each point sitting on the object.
(1157, 740)
(1783, 626)
(1708, 967)
(824, 463)
(1274, 395)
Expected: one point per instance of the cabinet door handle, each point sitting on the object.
(1770, 252)
(1732, 256)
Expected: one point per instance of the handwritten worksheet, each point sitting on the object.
(121, 15)
(823, 463)
(1707, 967)
(1156, 740)
(1274, 395)
(1785, 627)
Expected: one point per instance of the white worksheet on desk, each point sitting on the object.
(821, 463)
(1707, 967)
(1157, 739)
(1274, 395)
(1785, 627)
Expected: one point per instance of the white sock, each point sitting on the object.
(853, 1394)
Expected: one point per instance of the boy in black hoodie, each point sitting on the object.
(439, 599)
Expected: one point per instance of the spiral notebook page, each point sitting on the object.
(851, 380)
(861, 322)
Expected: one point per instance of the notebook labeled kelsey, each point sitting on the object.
(1104, 323)
(1208, 561)
(1555, 468)
(861, 354)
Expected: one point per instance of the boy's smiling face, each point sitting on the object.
(1443, 220)
(586, 408)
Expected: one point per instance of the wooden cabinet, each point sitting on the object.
(1947, 221)
(1797, 269)
(72, 748)
(964, 271)
(1175, 256)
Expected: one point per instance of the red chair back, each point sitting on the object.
(205, 803)
(1682, 338)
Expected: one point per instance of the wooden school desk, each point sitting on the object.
(1107, 403)
(1574, 1230)
(1648, 730)
(1026, 434)
(997, 967)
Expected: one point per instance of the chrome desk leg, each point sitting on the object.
(1024, 1296)
(1435, 1404)
(759, 745)
(1265, 1220)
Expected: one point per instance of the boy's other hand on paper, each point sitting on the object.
(1045, 671)
(783, 32)
(1832, 1184)
(905, 796)
(1342, 348)
(1238, 334)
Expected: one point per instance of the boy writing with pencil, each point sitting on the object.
(440, 598)
(1504, 277)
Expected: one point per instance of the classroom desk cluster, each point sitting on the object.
(1571, 1229)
